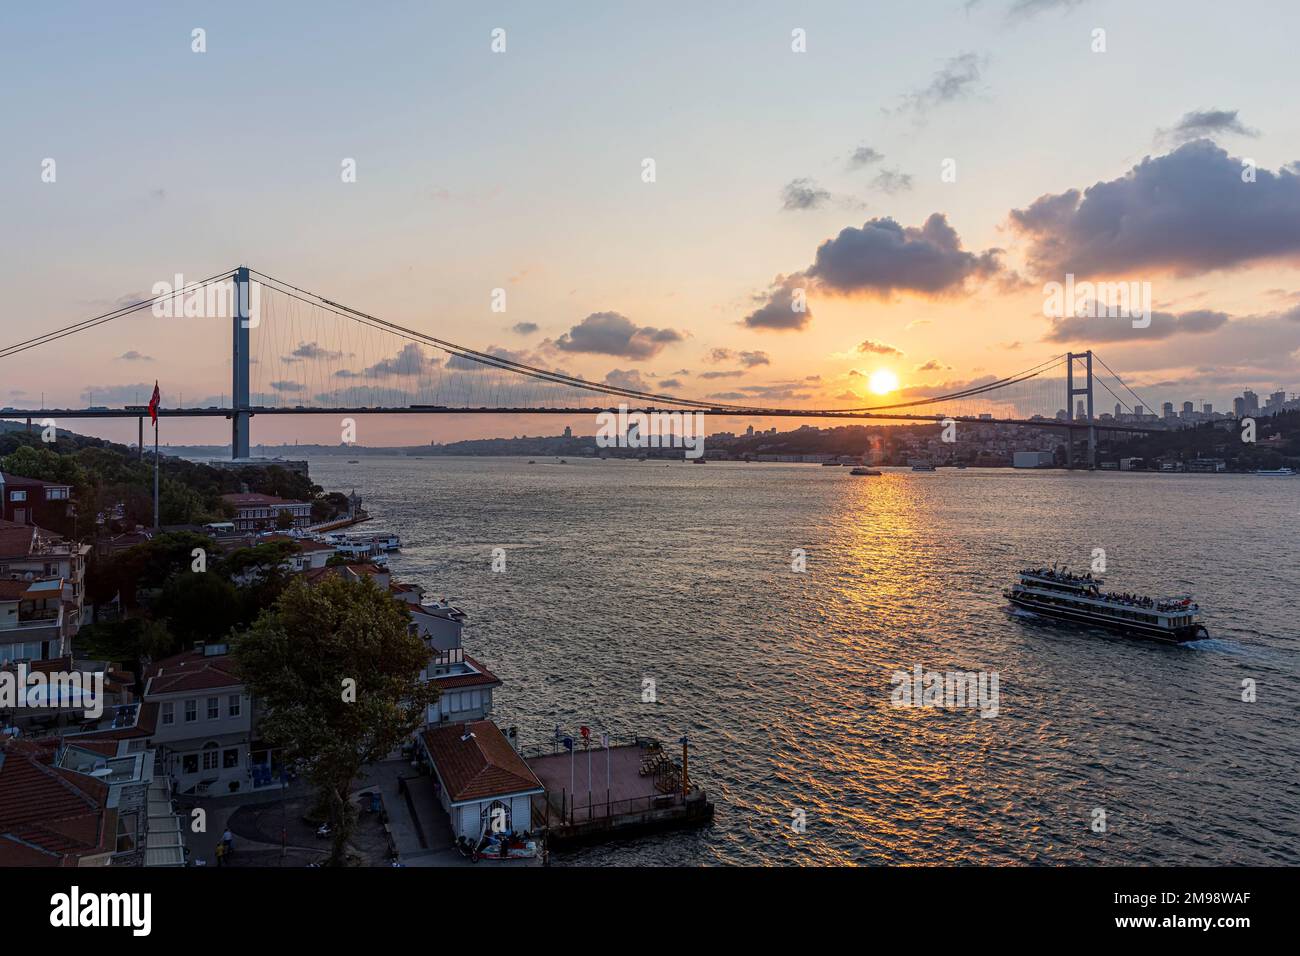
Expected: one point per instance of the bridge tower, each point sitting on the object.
(239, 417)
(1070, 392)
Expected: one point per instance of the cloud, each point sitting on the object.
(803, 194)
(864, 156)
(627, 378)
(310, 350)
(932, 366)
(134, 356)
(285, 386)
(731, 373)
(608, 333)
(1186, 212)
(954, 81)
(892, 181)
(1110, 329)
(883, 257)
(784, 306)
(877, 348)
(670, 383)
(747, 359)
(1201, 123)
(525, 328)
(1024, 9)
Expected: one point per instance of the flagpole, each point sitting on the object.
(155, 475)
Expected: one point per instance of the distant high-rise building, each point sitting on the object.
(1207, 409)
(749, 432)
(1167, 410)
(1079, 410)
(1188, 409)
(568, 431)
(1252, 401)
(1277, 399)
(1239, 407)
(1138, 410)
(1118, 409)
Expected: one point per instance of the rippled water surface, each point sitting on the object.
(621, 570)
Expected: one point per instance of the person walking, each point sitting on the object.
(221, 854)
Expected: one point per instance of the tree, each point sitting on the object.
(338, 672)
(283, 520)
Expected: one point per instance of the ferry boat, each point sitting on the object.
(923, 466)
(1054, 592)
(864, 471)
(1277, 472)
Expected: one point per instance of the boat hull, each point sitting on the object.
(1181, 635)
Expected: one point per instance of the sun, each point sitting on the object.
(882, 381)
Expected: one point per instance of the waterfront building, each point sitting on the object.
(257, 512)
(479, 777)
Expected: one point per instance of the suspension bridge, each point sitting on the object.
(295, 352)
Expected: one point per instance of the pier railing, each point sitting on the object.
(573, 814)
(552, 747)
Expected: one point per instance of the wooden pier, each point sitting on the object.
(595, 794)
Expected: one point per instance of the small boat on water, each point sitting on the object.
(864, 471)
(353, 461)
(700, 461)
(1055, 592)
(832, 464)
(1277, 472)
(923, 466)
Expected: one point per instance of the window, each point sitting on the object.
(191, 711)
(214, 708)
(56, 494)
(210, 755)
(17, 496)
(168, 713)
(230, 758)
(190, 763)
(234, 705)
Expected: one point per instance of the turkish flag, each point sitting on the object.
(154, 403)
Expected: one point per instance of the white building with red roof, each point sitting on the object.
(481, 781)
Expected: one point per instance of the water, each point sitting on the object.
(621, 570)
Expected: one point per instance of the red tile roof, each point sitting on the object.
(480, 767)
(8, 479)
(16, 540)
(191, 671)
(484, 678)
(49, 816)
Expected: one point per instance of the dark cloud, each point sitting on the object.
(877, 348)
(1185, 212)
(864, 156)
(953, 82)
(731, 373)
(883, 257)
(778, 311)
(1201, 123)
(310, 350)
(134, 356)
(1110, 329)
(670, 383)
(608, 333)
(803, 194)
(892, 181)
(286, 386)
(525, 328)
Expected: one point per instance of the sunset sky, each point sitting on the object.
(774, 170)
